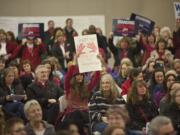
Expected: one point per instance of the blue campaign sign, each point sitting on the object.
(143, 24)
(177, 6)
(177, 10)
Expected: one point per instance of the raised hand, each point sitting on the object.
(51, 101)
(80, 49)
(92, 46)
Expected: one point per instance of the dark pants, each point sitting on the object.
(14, 109)
(78, 117)
(50, 113)
(99, 127)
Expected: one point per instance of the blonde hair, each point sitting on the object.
(127, 61)
(59, 34)
(176, 61)
(124, 39)
(53, 61)
(28, 105)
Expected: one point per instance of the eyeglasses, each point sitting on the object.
(19, 130)
(177, 96)
(170, 80)
(170, 133)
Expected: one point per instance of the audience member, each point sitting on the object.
(161, 125)
(140, 107)
(36, 125)
(106, 96)
(15, 126)
(46, 93)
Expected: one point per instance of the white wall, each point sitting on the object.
(160, 11)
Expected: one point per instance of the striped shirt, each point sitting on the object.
(98, 106)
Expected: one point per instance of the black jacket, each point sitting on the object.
(16, 88)
(57, 52)
(173, 112)
(43, 93)
(70, 37)
(117, 52)
(141, 113)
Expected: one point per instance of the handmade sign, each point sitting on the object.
(125, 28)
(87, 48)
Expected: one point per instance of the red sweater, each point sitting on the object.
(126, 87)
(70, 74)
(75, 103)
(33, 55)
(11, 46)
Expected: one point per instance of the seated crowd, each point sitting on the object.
(42, 91)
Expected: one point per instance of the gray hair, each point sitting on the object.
(110, 79)
(156, 123)
(28, 104)
(38, 68)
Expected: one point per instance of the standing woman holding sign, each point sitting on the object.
(77, 94)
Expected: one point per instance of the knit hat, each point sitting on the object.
(171, 72)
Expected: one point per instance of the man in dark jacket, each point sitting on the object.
(49, 33)
(46, 93)
(70, 32)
